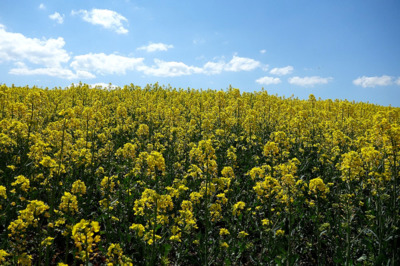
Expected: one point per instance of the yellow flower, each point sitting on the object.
(238, 207)
(69, 203)
(265, 222)
(48, 162)
(143, 130)
(223, 232)
(195, 197)
(83, 234)
(107, 184)
(224, 245)
(3, 192)
(317, 185)
(48, 241)
(116, 256)
(23, 181)
(176, 237)
(25, 259)
(3, 254)
(78, 187)
(139, 228)
(279, 232)
(242, 234)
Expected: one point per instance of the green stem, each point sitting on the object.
(394, 252)
(290, 232)
(87, 253)
(153, 250)
(348, 234)
(317, 225)
(206, 229)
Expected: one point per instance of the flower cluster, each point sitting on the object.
(195, 177)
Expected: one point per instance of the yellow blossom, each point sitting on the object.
(22, 181)
(78, 187)
(238, 207)
(279, 232)
(223, 232)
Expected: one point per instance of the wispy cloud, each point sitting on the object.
(398, 81)
(57, 17)
(58, 72)
(374, 81)
(175, 69)
(263, 51)
(268, 80)
(309, 81)
(153, 47)
(105, 64)
(281, 71)
(169, 69)
(106, 18)
(42, 6)
(236, 64)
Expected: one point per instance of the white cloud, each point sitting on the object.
(263, 51)
(268, 80)
(57, 17)
(398, 81)
(48, 57)
(175, 69)
(235, 65)
(16, 47)
(282, 71)
(241, 64)
(104, 17)
(42, 6)
(105, 64)
(152, 47)
(213, 68)
(373, 81)
(169, 69)
(308, 81)
(51, 71)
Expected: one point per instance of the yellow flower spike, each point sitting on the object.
(242, 234)
(224, 245)
(139, 228)
(24, 259)
(78, 187)
(82, 234)
(3, 192)
(23, 182)
(223, 232)
(279, 232)
(238, 207)
(317, 185)
(48, 241)
(3, 255)
(69, 203)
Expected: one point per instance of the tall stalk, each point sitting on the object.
(206, 228)
(290, 231)
(395, 174)
(153, 249)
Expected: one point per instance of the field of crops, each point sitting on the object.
(157, 175)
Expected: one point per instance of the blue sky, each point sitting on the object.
(332, 49)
